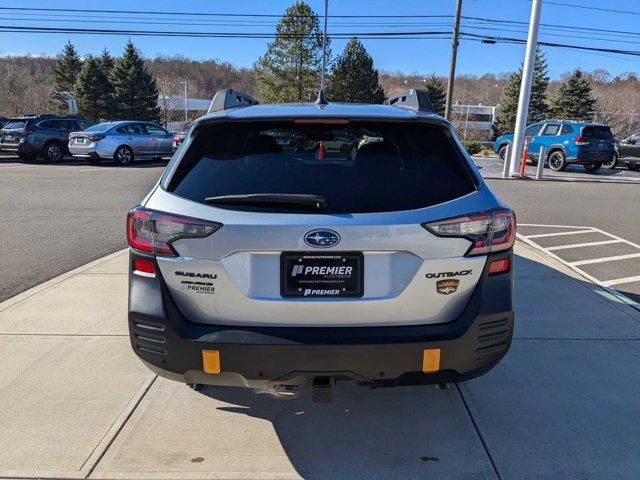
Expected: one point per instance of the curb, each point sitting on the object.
(60, 278)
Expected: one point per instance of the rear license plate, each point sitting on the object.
(9, 138)
(79, 139)
(322, 275)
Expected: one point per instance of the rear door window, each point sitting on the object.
(358, 168)
(551, 129)
(597, 132)
(566, 129)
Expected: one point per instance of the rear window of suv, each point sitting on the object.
(357, 168)
(597, 132)
(15, 125)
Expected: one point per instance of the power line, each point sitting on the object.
(207, 14)
(586, 7)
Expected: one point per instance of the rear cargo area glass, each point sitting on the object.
(360, 167)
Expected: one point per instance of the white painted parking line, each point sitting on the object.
(557, 234)
(617, 281)
(605, 259)
(575, 265)
(586, 244)
(550, 226)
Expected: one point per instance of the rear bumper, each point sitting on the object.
(18, 148)
(260, 357)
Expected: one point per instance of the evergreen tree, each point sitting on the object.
(93, 91)
(289, 71)
(538, 109)
(573, 99)
(106, 62)
(135, 95)
(353, 78)
(437, 93)
(64, 78)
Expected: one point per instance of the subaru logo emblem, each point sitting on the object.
(321, 238)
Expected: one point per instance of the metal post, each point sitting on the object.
(507, 161)
(185, 102)
(466, 121)
(324, 45)
(452, 63)
(541, 158)
(525, 86)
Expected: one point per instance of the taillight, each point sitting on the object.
(580, 140)
(490, 232)
(95, 138)
(154, 232)
(26, 133)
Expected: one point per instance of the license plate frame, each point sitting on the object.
(322, 284)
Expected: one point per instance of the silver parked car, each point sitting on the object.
(267, 263)
(123, 142)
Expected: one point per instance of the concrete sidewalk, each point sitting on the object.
(76, 403)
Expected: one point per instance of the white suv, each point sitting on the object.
(311, 244)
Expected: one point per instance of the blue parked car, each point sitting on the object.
(566, 142)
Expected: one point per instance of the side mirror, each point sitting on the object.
(630, 141)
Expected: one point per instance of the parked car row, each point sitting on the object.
(52, 137)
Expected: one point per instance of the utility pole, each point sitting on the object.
(185, 102)
(324, 45)
(452, 64)
(525, 87)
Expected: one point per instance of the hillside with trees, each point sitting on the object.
(29, 83)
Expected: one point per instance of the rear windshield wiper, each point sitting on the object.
(286, 200)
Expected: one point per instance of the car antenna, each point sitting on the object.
(321, 100)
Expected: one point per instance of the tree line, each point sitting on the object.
(572, 99)
(103, 87)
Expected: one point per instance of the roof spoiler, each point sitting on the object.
(227, 98)
(412, 99)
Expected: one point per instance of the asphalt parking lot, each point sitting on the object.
(491, 167)
(59, 216)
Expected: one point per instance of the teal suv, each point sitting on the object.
(566, 142)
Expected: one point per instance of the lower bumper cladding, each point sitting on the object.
(262, 357)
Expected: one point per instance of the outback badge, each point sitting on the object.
(447, 287)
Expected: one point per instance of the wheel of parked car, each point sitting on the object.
(123, 155)
(557, 161)
(613, 163)
(592, 167)
(53, 152)
(502, 152)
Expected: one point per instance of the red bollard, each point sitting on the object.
(523, 163)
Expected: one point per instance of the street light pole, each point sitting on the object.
(324, 45)
(452, 63)
(185, 102)
(525, 87)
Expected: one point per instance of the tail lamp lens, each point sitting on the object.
(154, 232)
(489, 231)
(580, 140)
(95, 138)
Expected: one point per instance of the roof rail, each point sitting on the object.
(412, 99)
(227, 98)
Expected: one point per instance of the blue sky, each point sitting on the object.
(415, 55)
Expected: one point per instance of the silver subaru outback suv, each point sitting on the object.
(313, 244)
